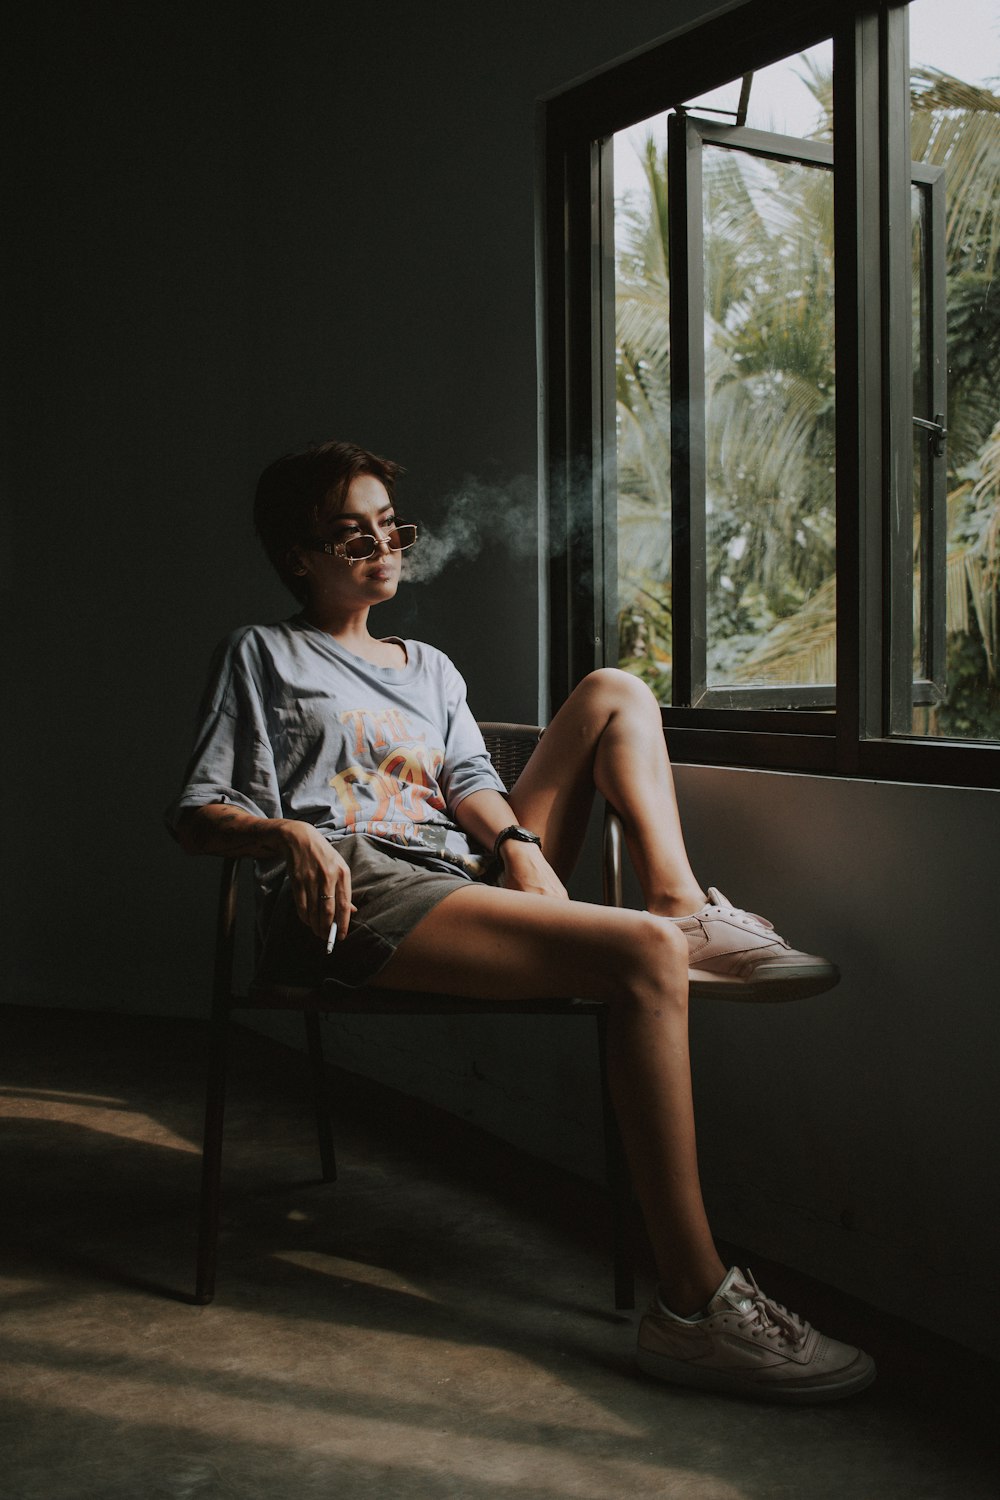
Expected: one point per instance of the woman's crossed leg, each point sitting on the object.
(508, 945)
(608, 737)
(705, 1327)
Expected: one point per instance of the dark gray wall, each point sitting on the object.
(232, 229)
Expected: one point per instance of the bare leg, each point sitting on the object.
(608, 735)
(497, 944)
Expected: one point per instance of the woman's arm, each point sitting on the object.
(486, 813)
(220, 828)
(320, 877)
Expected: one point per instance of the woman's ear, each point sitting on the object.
(296, 562)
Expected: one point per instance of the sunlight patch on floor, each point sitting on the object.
(342, 1269)
(93, 1114)
(383, 1448)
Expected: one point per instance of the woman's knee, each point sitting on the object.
(654, 967)
(613, 681)
(614, 689)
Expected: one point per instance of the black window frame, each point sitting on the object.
(874, 417)
(687, 134)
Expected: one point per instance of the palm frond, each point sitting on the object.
(801, 649)
(957, 125)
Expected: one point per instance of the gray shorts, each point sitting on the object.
(392, 894)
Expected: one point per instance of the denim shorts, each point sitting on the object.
(392, 894)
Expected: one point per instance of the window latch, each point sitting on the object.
(936, 432)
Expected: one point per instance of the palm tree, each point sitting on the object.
(769, 389)
(768, 238)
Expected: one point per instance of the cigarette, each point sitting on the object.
(331, 940)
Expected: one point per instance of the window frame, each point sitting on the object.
(873, 332)
(932, 401)
(687, 134)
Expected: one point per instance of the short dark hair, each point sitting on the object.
(294, 491)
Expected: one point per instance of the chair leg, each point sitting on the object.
(619, 1184)
(321, 1094)
(211, 1160)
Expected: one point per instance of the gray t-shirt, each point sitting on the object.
(294, 726)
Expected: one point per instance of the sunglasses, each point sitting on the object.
(358, 548)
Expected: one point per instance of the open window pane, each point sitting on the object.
(642, 377)
(929, 434)
(758, 502)
(770, 501)
(955, 131)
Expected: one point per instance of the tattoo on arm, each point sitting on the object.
(226, 831)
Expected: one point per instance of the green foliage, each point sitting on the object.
(770, 406)
(972, 711)
(645, 637)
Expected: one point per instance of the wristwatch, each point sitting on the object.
(515, 831)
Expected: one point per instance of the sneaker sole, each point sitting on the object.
(766, 986)
(857, 1377)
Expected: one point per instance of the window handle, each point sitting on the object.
(935, 431)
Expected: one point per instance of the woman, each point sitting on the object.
(388, 851)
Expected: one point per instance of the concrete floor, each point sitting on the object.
(438, 1324)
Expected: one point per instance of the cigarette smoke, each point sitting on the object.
(476, 516)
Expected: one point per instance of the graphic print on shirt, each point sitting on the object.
(394, 783)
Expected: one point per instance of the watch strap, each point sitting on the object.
(515, 831)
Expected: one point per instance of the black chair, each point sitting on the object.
(510, 746)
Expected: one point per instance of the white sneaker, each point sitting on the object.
(735, 955)
(747, 1345)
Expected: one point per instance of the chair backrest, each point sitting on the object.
(510, 747)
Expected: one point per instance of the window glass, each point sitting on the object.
(765, 224)
(955, 125)
(642, 377)
(769, 422)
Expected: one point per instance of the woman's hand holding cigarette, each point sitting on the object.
(320, 879)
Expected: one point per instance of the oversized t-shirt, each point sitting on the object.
(292, 725)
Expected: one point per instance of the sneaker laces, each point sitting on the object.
(748, 918)
(764, 1315)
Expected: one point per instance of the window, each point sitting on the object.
(771, 374)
